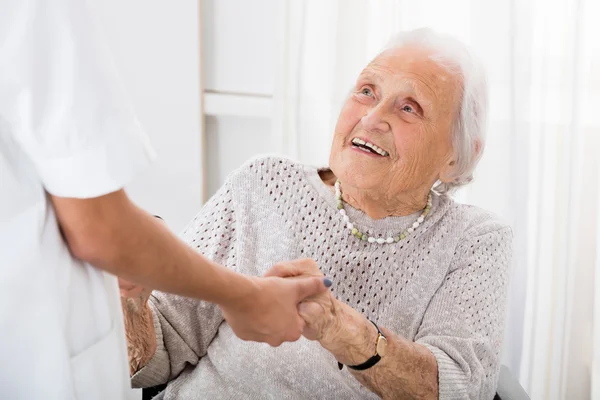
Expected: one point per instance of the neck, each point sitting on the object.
(378, 205)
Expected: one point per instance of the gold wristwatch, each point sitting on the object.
(380, 350)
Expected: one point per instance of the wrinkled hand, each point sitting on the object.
(139, 330)
(319, 312)
(133, 296)
(268, 311)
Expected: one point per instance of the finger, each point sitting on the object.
(294, 334)
(134, 291)
(310, 334)
(128, 293)
(301, 325)
(123, 284)
(306, 287)
(282, 270)
(308, 312)
(287, 269)
(303, 310)
(274, 342)
(307, 266)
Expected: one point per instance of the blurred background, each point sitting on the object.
(215, 82)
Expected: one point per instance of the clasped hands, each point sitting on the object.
(280, 307)
(339, 328)
(321, 313)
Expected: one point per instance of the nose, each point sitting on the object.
(374, 120)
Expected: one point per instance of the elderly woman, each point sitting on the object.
(420, 282)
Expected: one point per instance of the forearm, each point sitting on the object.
(113, 234)
(139, 330)
(146, 252)
(407, 371)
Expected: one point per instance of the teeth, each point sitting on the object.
(378, 150)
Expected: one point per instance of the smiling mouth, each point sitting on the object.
(369, 147)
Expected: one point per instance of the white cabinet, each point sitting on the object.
(238, 43)
(238, 61)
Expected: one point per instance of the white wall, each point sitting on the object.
(156, 48)
(239, 51)
(231, 141)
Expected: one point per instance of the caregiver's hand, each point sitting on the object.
(339, 328)
(267, 309)
(320, 311)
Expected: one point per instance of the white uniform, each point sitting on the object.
(65, 129)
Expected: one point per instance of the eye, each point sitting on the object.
(408, 108)
(366, 91)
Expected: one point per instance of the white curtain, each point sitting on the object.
(540, 167)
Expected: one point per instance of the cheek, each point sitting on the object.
(350, 115)
(348, 118)
(410, 141)
(417, 148)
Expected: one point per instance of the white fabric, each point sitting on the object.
(539, 170)
(596, 320)
(64, 129)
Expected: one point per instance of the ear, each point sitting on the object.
(478, 148)
(448, 170)
(448, 173)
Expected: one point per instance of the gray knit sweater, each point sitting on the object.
(443, 287)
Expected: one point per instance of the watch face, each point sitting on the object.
(382, 346)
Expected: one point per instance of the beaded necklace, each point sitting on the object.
(363, 236)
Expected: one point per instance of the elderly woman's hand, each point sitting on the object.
(139, 328)
(319, 312)
(133, 297)
(339, 328)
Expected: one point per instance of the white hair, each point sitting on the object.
(468, 130)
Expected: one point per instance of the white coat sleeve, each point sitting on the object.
(61, 100)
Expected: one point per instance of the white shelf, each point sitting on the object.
(237, 104)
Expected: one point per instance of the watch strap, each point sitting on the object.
(371, 361)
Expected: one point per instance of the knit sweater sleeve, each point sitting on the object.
(463, 324)
(185, 327)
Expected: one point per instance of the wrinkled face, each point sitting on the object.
(393, 134)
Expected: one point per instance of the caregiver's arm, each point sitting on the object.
(111, 233)
(165, 333)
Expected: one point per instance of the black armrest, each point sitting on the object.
(149, 393)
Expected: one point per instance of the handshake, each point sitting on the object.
(292, 299)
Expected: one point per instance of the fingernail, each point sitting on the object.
(327, 282)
